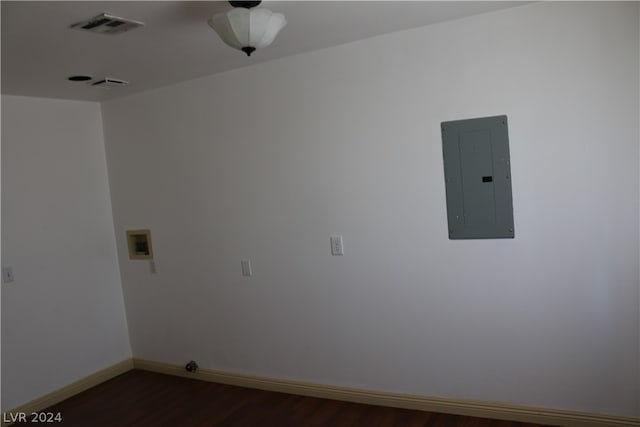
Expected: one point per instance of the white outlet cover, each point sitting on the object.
(337, 247)
(7, 275)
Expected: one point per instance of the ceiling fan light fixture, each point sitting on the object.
(248, 29)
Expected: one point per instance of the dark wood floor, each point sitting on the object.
(139, 398)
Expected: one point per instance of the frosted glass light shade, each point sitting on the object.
(248, 29)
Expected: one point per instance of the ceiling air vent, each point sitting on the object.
(110, 82)
(108, 24)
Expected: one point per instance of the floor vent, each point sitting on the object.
(107, 24)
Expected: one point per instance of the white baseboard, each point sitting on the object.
(408, 401)
(70, 390)
(424, 403)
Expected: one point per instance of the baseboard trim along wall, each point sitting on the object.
(68, 391)
(425, 403)
(408, 401)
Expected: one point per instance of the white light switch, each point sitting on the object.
(7, 275)
(246, 268)
(152, 267)
(337, 248)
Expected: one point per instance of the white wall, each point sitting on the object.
(267, 161)
(63, 317)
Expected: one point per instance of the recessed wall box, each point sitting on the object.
(139, 242)
(477, 175)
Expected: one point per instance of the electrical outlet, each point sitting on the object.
(7, 275)
(337, 248)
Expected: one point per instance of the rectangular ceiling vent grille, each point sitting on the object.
(107, 24)
(108, 82)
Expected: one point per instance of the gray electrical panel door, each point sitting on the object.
(478, 178)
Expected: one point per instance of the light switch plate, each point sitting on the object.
(246, 268)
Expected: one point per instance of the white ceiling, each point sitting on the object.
(39, 50)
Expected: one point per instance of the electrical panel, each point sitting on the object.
(478, 178)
